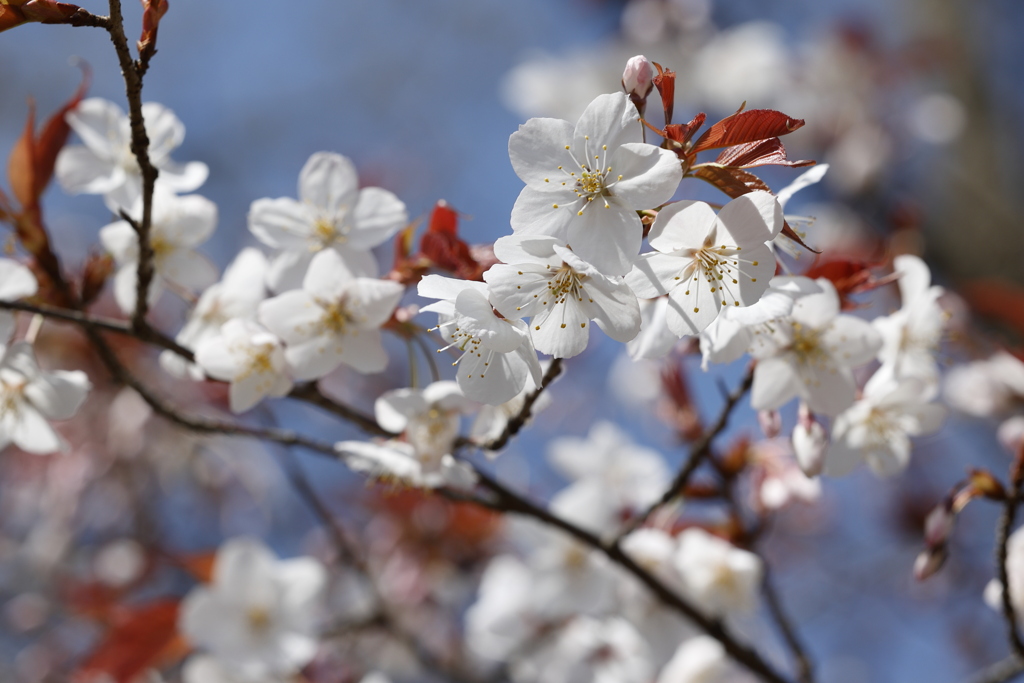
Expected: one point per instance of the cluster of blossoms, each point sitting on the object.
(597, 239)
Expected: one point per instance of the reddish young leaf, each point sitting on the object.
(679, 407)
(443, 219)
(140, 638)
(734, 182)
(20, 169)
(152, 12)
(665, 82)
(849, 277)
(747, 126)
(199, 565)
(789, 232)
(15, 12)
(54, 134)
(442, 245)
(759, 153)
(10, 17)
(999, 300)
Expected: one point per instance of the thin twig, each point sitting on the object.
(132, 74)
(700, 450)
(804, 672)
(1001, 672)
(519, 420)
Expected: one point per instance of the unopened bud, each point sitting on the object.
(987, 485)
(809, 442)
(638, 78)
(771, 423)
(938, 525)
(929, 562)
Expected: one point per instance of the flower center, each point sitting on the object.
(11, 395)
(327, 232)
(336, 317)
(566, 282)
(258, 619)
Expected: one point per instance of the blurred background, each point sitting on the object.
(916, 105)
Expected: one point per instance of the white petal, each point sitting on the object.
(188, 269)
(682, 225)
(693, 306)
(164, 130)
(650, 175)
(478, 320)
(656, 274)
(378, 215)
(394, 408)
(371, 302)
(80, 170)
(446, 288)
(31, 432)
(16, 281)
(775, 383)
(314, 358)
(610, 120)
(293, 316)
(60, 394)
(561, 330)
(614, 308)
(491, 378)
(363, 351)
(853, 341)
(805, 179)
(329, 182)
(120, 241)
(754, 218)
(328, 276)
(517, 290)
(98, 122)
(606, 236)
(531, 249)
(283, 223)
(829, 391)
(189, 221)
(288, 269)
(537, 149)
(183, 177)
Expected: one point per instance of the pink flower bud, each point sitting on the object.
(638, 77)
(771, 423)
(938, 525)
(929, 562)
(809, 442)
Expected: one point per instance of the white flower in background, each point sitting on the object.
(911, 335)
(587, 649)
(985, 388)
(237, 295)
(16, 282)
(497, 353)
(30, 398)
(698, 660)
(748, 62)
(778, 479)
(733, 332)
(105, 163)
(719, 577)
(334, 319)
(249, 357)
(613, 477)
(258, 615)
(584, 185)
(330, 213)
(810, 354)
(500, 621)
(810, 441)
(706, 262)
(207, 669)
(561, 293)
(878, 427)
(398, 461)
(179, 225)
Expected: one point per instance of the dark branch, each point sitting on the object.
(1000, 672)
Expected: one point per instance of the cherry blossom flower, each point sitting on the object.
(237, 295)
(613, 477)
(399, 461)
(249, 357)
(778, 478)
(719, 577)
(655, 339)
(207, 669)
(879, 426)
(491, 421)
(30, 398)
(698, 660)
(560, 292)
(334, 319)
(588, 649)
(179, 225)
(986, 387)
(497, 352)
(911, 335)
(811, 176)
(584, 185)
(16, 282)
(810, 354)
(499, 622)
(706, 262)
(105, 163)
(331, 213)
(258, 615)
(810, 441)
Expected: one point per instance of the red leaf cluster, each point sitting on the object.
(849, 277)
(16, 12)
(140, 638)
(152, 12)
(440, 247)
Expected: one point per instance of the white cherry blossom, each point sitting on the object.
(30, 398)
(719, 577)
(706, 262)
(258, 615)
(497, 352)
(878, 427)
(16, 282)
(810, 354)
(393, 460)
(500, 621)
(248, 356)
(590, 650)
(584, 184)
(911, 335)
(986, 387)
(698, 660)
(491, 421)
(179, 225)
(334, 319)
(429, 418)
(105, 165)
(332, 212)
(237, 295)
(561, 293)
(207, 669)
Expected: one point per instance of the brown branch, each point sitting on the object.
(1000, 672)
(132, 72)
(700, 450)
(518, 421)
(510, 501)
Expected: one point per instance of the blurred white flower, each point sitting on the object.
(258, 615)
(16, 282)
(105, 163)
(334, 319)
(986, 388)
(179, 225)
(248, 356)
(584, 184)
(30, 398)
(719, 577)
(698, 660)
(591, 650)
(331, 213)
